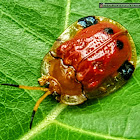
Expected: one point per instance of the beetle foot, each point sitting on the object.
(53, 83)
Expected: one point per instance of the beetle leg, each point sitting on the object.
(56, 96)
(126, 70)
(37, 105)
(87, 21)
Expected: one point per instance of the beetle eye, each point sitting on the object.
(109, 30)
(47, 84)
(119, 44)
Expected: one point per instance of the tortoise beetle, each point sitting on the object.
(92, 58)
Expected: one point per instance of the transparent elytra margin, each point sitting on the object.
(110, 84)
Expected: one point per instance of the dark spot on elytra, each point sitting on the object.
(109, 30)
(119, 44)
(126, 70)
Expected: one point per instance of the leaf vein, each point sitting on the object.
(18, 121)
(67, 13)
(138, 62)
(89, 132)
(44, 123)
(26, 28)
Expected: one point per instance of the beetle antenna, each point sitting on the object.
(48, 92)
(38, 102)
(37, 105)
(27, 87)
(32, 117)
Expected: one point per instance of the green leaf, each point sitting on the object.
(27, 32)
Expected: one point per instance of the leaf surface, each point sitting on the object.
(27, 32)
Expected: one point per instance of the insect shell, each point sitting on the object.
(93, 57)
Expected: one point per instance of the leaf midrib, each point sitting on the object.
(50, 119)
(88, 132)
(44, 123)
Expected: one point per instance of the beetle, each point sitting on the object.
(92, 58)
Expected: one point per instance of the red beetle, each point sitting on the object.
(91, 58)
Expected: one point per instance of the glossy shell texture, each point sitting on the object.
(110, 84)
